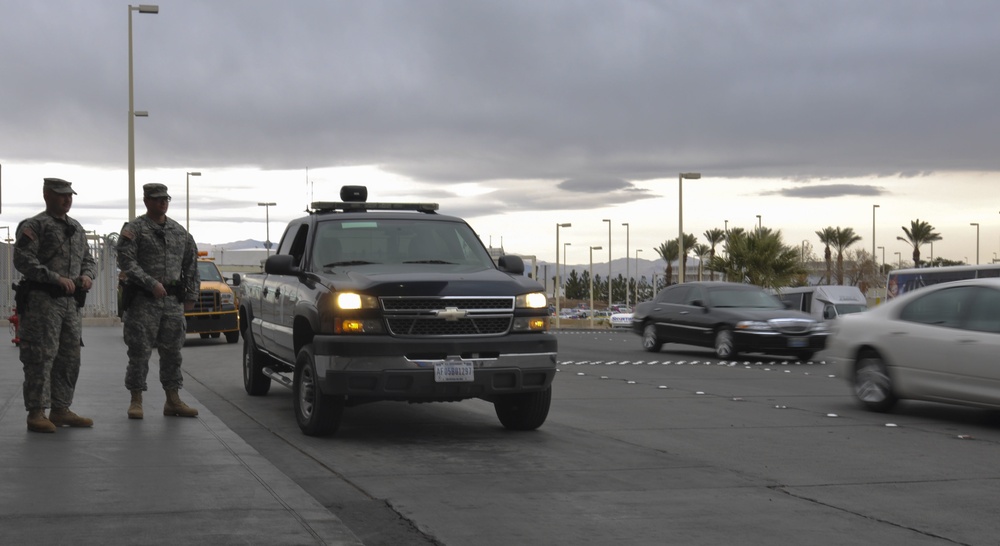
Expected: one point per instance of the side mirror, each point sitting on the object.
(281, 264)
(511, 264)
(237, 279)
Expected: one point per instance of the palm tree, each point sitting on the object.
(760, 257)
(668, 251)
(689, 241)
(842, 239)
(703, 252)
(827, 236)
(714, 237)
(920, 233)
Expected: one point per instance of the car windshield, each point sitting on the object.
(208, 272)
(353, 242)
(742, 297)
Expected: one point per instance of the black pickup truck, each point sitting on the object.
(392, 301)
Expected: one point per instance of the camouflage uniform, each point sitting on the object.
(49, 248)
(149, 253)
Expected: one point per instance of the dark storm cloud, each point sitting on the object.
(823, 191)
(572, 91)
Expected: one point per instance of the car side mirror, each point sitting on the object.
(509, 263)
(281, 264)
(699, 303)
(237, 279)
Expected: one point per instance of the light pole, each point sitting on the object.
(883, 257)
(899, 260)
(187, 200)
(142, 8)
(627, 278)
(680, 220)
(759, 225)
(727, 227)
(609, 262)
(873, 231)
(558, 286)
(267, 222)
(7, 268)
(637, 251)
(802, 252)
(977, 240)
(591, 313)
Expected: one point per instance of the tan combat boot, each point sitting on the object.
(175, 407)
(38, 422)
(63, 417)
(135, 406)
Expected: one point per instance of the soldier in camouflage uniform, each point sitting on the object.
(53, 256)
(159, 260)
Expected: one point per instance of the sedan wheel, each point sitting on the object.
(724, 345)
(649, 339)
(872, 384)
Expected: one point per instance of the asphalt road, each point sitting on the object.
(639, 448)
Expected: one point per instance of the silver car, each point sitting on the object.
(940, 343)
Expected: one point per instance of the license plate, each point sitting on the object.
(798, 342)
(453, 371)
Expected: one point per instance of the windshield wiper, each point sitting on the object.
(428, 262)
(351, 262)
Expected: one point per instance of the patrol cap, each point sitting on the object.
(154, 190)
(58, 185)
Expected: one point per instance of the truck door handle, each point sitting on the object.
(265, 291)
(277, 293)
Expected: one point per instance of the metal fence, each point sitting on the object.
(102, 301)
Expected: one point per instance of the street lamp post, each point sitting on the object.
(680, 220)
(564, 260)
(558, 285)
(267, 222)
(873, 231)
(899, 259)
(142, 8)
(802, 252)
(883, 256)
(637, 251)
(759, 225)
(591, 311)
(7, 265)
(627, 277)
(609, 262)
(187, 200)
(977, 240)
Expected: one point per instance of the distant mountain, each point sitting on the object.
(235, 245)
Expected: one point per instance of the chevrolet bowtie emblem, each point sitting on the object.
(451, 313)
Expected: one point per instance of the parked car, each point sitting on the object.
(939, 343)
(732, 318)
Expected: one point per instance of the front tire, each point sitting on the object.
(649, 340)
(872, 383)
(725, 345)
(317, 414)
(254, 380)
(232, 337)
(523, 411)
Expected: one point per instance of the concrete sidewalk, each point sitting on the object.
(160, 480)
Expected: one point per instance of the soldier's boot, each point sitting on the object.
(175, 407)
(38, 422)
(63, 417)
(135, 406)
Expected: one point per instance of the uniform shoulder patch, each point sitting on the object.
(128, 234)
(29, 233)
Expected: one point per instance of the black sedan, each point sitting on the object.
(732, 318)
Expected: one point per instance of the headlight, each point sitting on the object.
(226, 297)
(350, 300)
(753, 325)
(534, 300)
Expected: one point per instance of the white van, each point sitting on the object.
(826, 302)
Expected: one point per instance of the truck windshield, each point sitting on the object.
(396, 241)
(208, 272)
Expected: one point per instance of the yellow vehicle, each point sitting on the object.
(216, 311)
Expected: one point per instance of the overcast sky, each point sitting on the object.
(517, 115)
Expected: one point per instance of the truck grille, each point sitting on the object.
(459, 316)
(208, 301)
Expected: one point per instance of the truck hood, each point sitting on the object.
(434, 280)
